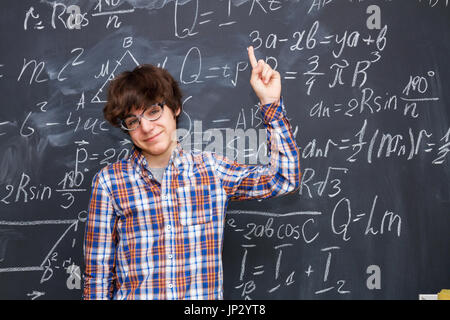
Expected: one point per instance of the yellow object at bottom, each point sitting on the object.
(444, 294)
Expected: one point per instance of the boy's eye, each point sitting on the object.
(131, 122)
(152, 111)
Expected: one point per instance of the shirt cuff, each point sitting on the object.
(273, 111)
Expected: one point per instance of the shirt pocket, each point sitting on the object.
(194, 204)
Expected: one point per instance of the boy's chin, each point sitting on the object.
(157, 149)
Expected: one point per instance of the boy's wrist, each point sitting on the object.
(273, 111)
(263, 102)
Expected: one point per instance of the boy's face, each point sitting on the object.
(156, 138)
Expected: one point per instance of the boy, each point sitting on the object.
(156, 220)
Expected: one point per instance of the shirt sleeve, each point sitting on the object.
(280, 176)
(100, 244)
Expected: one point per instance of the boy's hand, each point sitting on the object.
(265, 81)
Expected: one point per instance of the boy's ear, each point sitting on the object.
(178, 112)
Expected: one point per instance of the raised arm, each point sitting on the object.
(282, 174)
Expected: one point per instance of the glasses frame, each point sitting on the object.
(139, 117)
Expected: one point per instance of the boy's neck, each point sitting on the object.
(161, 160)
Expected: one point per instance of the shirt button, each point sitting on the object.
(170, 256)
(168, 227)
(165, 197)
(170, 285)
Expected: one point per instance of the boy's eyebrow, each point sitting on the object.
(133, 109)
(128, 114)
(139, 110)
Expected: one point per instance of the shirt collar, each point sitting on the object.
(140, 161)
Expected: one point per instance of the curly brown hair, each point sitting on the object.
(145, 85)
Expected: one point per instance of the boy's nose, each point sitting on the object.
(147, 125)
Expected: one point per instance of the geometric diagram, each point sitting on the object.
(96, 98)
(73, 224)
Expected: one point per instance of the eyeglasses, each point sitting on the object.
(150, 113)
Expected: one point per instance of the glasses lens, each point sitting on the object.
(153, 112)
(131, 123)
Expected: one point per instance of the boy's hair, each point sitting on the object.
(144, 86)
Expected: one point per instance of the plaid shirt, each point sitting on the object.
(146, 240)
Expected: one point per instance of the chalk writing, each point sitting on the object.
(364, 92)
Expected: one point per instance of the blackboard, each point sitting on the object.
(365, 85)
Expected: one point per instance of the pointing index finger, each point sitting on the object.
(251, 56)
